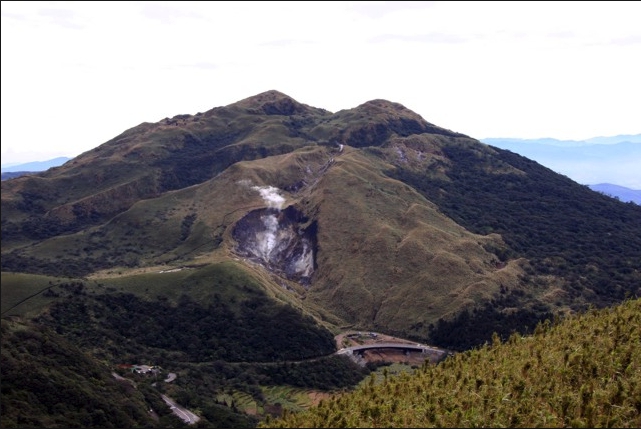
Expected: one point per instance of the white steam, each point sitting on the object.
(305, 263)
(271, 196)
(269, 240)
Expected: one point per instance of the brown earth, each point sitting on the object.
(316, 397)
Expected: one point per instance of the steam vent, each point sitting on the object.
(278, 240)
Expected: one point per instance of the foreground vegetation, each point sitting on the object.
(582, 372)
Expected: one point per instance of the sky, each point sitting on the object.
(76, 74)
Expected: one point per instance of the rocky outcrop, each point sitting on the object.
(279, 240)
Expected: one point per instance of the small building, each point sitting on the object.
(145, 369)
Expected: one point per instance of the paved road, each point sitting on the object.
(186, 415)
(118, 377)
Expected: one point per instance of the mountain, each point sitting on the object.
(622, 138)
(620, 192)
(597, 160)
(232, 245)
(13, 174)
(632, 138)
(35, 165)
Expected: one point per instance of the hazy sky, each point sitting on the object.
(76, 74)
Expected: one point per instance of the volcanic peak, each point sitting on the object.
(273, 102)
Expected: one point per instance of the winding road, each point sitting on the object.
(182, 412)
(186, 415)
(348, 343)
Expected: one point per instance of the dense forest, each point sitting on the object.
(49, 382)
(261, 331)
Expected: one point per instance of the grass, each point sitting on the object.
(291, 398)
(398, 245)
(246, 403)
(23, 294)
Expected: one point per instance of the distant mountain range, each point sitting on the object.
(606, 164)
(622, 193)
(16, 170)
(621, 138)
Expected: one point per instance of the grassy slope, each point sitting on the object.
(147, 161)
(402, 252)
(25, 294)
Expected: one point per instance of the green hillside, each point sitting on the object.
(582, 372)
(49, 382)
